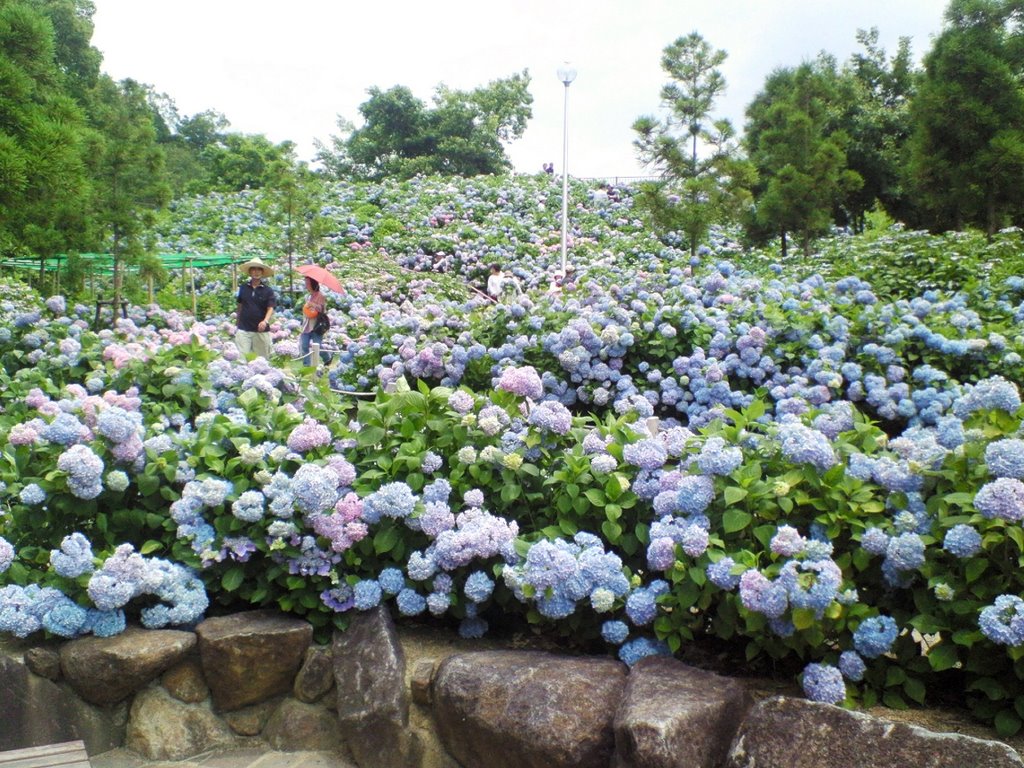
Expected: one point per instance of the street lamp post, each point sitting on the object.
(566, 74)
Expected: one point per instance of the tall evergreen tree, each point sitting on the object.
(128, 172)
(967, 148)
(706, 180)
(43, 184)
(802, 164)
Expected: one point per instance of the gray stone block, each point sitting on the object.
(527, 709)
(676, 716)
(783, 732)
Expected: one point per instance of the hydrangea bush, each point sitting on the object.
(812, 476)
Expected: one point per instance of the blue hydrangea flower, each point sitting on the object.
(1003, 621)
(875, 636)
(905, 552)
(32, 495)
(718, 458)
(641, 605)
(852, 665)
(394, 500)
(472, 627)
(315, 489)
(696, 492)
(638, 648)
(803, 445)
(74, 557)
(431, 462)
(1001, 499)
(248, 507)
(646, 454)
(478, 587)
(1005, 458)
(6, 554)
(391, 580)
(104, 623)
(614, 632)
(720, 574)
(875, 541)
(410, 602)
(65, 619)
(962, 541)
(824, 683)
(367, 595)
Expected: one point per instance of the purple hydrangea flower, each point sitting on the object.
(523, 381)
(310, 434)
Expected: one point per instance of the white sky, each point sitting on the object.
(289, 68)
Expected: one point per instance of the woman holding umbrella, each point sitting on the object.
(314, 309)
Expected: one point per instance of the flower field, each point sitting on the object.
(814, 467)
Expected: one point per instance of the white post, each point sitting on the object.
(566, 74)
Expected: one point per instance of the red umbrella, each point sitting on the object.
(321, 275)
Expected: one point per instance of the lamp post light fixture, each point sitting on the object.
(566, 73)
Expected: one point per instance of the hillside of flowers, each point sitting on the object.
(814, 469)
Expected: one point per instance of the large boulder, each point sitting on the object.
(105, 670)
(675, 715)
(785, 732)
(316, 676)
(252, 656)
(296, 726)
(161, 727)
(35, 712)
(373, 701)
(527, 709)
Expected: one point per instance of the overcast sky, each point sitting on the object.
(288, 69)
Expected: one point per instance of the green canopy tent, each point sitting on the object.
(103, 264)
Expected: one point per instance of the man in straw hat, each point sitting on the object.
(255, 308)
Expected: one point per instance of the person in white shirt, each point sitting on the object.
(495, 282)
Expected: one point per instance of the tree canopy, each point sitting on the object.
(462, 134)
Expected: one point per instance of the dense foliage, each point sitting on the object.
(804, 472)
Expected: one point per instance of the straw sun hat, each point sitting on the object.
(256, 262)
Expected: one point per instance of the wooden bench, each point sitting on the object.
(70, 754)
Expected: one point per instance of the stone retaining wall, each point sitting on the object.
(257, 679)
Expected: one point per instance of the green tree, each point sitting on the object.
(967, 148)
(706, 180)
(77, 59)
(127, 168)
(293, 203)
(184, 140)
(801, 162)
(239, 161)
(875, 114)
(43, 183)
(462, 134)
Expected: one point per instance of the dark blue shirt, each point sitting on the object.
(253, 304)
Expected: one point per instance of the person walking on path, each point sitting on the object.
(314, 308)
(256, 303)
